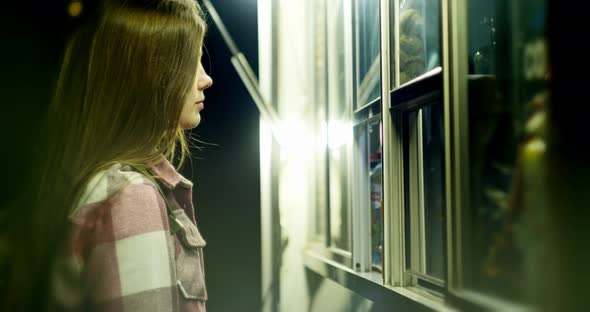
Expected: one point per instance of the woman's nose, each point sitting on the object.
(204, 81)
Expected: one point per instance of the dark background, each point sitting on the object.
(225, 172)
(227, 176)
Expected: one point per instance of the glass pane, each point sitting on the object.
(376, 192)
(392, 45)
(433, 181)
(507, 94)
(336, 61)
(424, 210)
(419, 37)
(369, 51)
(339, 113)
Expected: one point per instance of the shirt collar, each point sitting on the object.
(169, 176)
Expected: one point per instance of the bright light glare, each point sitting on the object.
(336, 133)
(291, 134)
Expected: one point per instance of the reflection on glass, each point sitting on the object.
(369, 189)
(376, 192)
(369, 51)
(336, 61)
(425, 211)
(419, 37)
(484, 59)
(507, 95)
(338, 113)
(433, 181)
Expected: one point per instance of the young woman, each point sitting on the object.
(113, 211)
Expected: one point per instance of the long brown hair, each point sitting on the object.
(118, 99)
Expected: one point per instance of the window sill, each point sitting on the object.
(370, 285)
(485, 302)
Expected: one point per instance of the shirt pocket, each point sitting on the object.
(189, 262)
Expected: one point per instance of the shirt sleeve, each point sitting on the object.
(127, 250)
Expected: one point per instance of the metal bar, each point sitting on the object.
(224, 33)
(387, 159)
(243, 68)
(251, 82)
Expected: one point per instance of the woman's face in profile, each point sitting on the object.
(194, 103)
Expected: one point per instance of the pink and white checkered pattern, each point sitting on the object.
(121, 255)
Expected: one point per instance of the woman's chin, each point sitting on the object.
(193, 123)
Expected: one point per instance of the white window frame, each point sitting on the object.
(394, 280)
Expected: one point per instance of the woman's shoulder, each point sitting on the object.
(111, 182)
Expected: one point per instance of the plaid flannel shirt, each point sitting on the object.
(121, 254)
